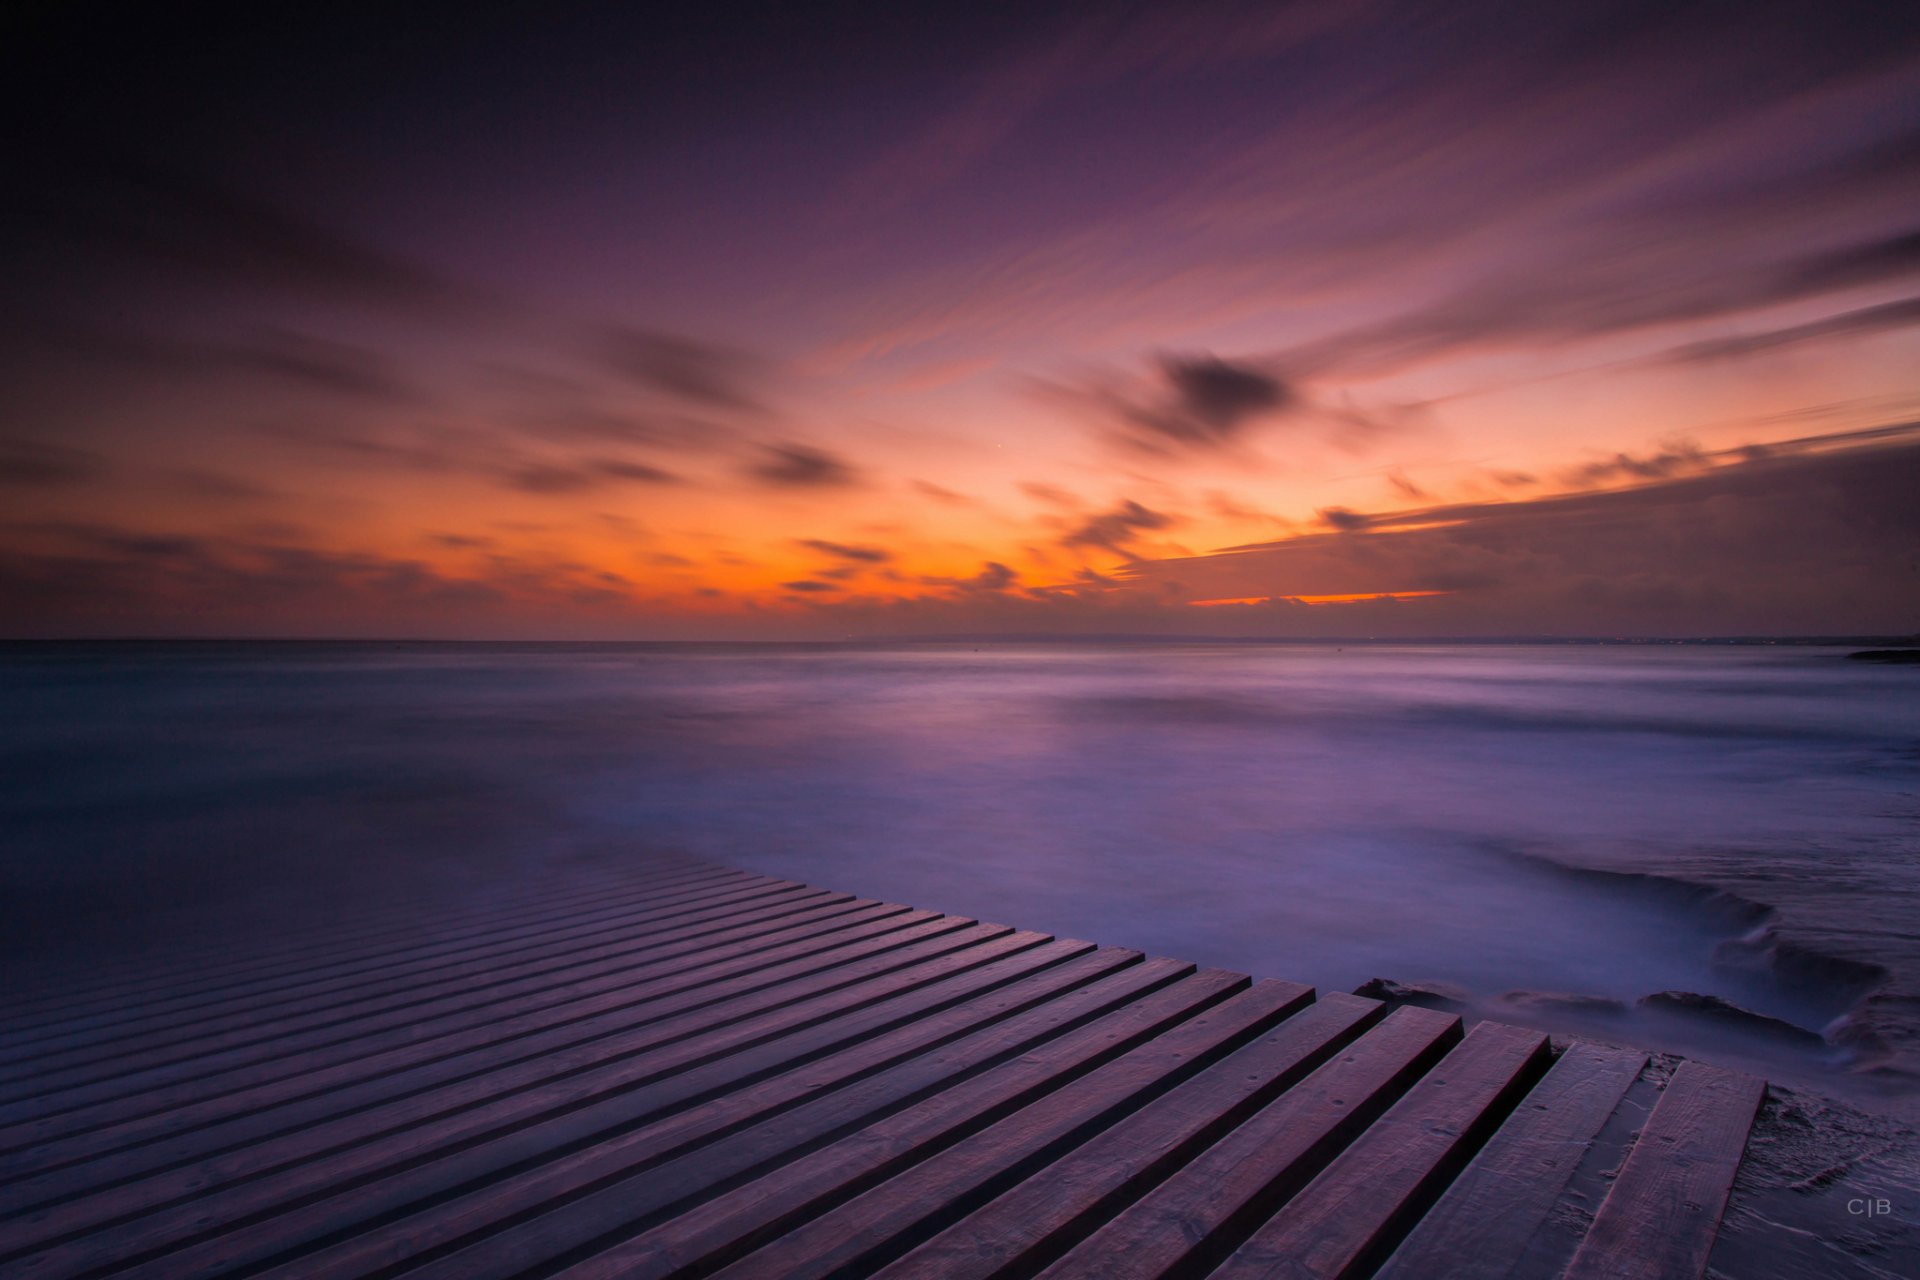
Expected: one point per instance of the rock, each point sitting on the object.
(1564, 1002)
(1428, 994)
(1886, 655)
(1714, 1009)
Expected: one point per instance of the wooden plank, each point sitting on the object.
(638, 1174)
(1663, 1211)
(893, 1216)
(1193, 1219)
(1372, 1190)
(104, 1007)
(1042, 1217)
(170, 975)
(516, 991)
(584, 1102)
(185, 1029)
(729, 1217)
(172, 1028)
(250, 1148)
(381, 1068)
(347, 1017)
(1481, 1227)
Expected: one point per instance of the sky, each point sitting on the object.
(1346, 318)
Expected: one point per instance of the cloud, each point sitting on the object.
(994, 576)
(1117, 529)
(1052, 495)
(470, 451)
(1672, 460)
(810, 586)
(1809, 537)
(1197, 403)
(35, 464)
(544, 477)
(321, 363)
(941, 494)
(1633, 288)
(1342, 519)
(1886, 317)
(89, 203)
(800, 466)
(97, 578)
(705, 374)
(847, 551)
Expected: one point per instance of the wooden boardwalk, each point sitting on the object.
(689, 1070)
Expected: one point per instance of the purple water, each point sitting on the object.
(1426, 814)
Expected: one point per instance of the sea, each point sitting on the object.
(1702, 848)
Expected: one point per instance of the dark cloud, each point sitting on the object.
(1218, 396)
(800, 466)
(810, 586)
(1052, 495)
(81, 578)
(847, 551)
(1810, 537)
(220, 486)
(705, 374)
(321, 363)
(1600, 296)
(1342, 519)
(636, 472)
(994, 576)
(1868, 262)
(1405, 487)
(1670, 461)
(35, 464)
(564, 418)
(95, 209)
(1902, 314)
(1117, 529)
(939, 493)
(992, 579)
(1202, 403)
(543, 477)
(295, 360)
(474, 452)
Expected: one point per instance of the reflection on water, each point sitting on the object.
(1320, 813)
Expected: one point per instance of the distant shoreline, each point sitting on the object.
(1872, 647)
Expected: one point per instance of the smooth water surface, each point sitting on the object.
(1329, 814)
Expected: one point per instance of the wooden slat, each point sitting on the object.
(163, 1093)
(636, 1176)
(575, 1106)
(184, 1130)
(1378, 1183)
(1481, 1227)
(149, 977)
(712, 1227)
(347, 1016)
(1042, 1217)
(856, 1234)
(310, 1000)
(1660, 1217)
(1194, 1219)
(102, 1013)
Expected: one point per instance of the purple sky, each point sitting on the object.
(1361, 318)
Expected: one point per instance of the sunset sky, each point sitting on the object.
(1344, 318)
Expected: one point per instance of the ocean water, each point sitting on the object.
(1547, 834)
